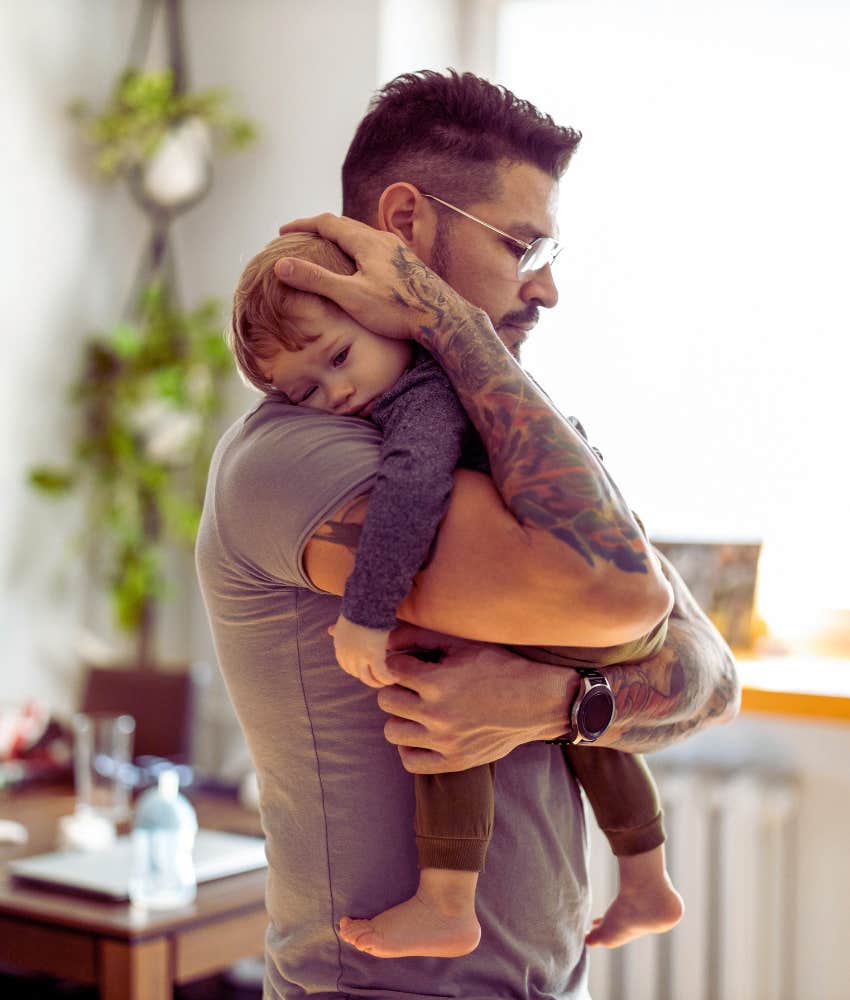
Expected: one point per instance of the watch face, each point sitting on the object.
(596, 712)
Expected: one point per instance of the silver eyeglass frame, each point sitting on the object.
(531, 249)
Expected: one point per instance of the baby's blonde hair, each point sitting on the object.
(260, 325)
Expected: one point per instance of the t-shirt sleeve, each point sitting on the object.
(280, 475)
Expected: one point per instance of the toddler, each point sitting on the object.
(306, 350)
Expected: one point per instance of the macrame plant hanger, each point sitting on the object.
(157, 262)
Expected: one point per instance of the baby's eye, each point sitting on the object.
(340, 358)
(307, 395)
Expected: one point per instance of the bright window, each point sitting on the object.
(703, 325)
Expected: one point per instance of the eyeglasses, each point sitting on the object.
(542, 252)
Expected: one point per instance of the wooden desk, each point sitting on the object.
(128, 955)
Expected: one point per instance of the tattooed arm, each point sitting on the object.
(689, 685)
(553, 552)
(556, 552)
(441, 720)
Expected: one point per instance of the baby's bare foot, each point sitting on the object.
(438, 922)
(632, 915)
(413, 928)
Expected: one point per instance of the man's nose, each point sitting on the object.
(540, 287)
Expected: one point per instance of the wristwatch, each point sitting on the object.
(592, 710)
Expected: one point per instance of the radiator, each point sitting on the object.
(731, 853)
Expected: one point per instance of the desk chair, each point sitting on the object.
(161, 703)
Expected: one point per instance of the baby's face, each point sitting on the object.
(345, 369)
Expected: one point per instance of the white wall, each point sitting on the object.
(68, 257)
(436, 35)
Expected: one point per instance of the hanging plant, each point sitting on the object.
(150, 388)
(146, 400)
(144, 108)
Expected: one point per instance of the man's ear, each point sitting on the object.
(404, 210)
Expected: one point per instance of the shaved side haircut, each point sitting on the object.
(446, 134)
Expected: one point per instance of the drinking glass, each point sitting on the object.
(103, 750)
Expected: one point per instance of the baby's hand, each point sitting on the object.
(362, 652)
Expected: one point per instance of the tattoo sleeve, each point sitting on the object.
(689, 685)
(341, 533)
(547, 475)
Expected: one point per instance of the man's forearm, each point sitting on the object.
(689, 685)
(480, 702)
(547, 475)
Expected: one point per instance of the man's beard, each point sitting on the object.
(440, 254)
(525, 318)
(440, 258)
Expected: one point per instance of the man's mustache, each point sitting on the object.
(525, 317)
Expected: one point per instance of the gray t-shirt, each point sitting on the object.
(337, 806)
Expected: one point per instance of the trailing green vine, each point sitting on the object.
(146, 401)
(149, 389)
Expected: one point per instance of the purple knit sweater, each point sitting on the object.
(426, 434)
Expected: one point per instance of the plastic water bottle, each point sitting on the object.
(164, 828)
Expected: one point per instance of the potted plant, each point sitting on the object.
(149, 389)
(160, 137)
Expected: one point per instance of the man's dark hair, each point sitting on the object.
(446, 133)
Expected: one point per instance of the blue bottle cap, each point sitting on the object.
(164, 808)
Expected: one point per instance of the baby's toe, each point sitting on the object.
(359, 933)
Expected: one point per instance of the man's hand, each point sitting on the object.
(474, 706)
(362, 652)
(479, 701)
(554, 489)
(392, 292)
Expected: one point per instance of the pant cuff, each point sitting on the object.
(455, 853)
(639, 839)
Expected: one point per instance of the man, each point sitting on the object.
(460, 175)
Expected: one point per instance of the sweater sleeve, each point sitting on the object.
(424, 427)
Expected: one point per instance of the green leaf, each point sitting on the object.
(126, 340)
(182, 516)
(169, 383)
(51, 480)
(142, 109)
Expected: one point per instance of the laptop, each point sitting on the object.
(106, 874)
